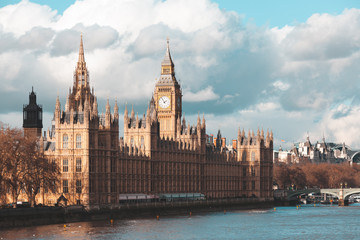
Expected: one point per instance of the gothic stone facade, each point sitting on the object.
(159, 153)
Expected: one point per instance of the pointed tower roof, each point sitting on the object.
(116, 108)
(126, 110)
(167, 58)
(132, 112)
(203, 121)
(81, 87)
(167, 69)
(81, 51)
(57, 105)
(148, 111)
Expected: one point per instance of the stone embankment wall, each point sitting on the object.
(22, 217)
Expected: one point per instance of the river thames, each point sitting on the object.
(306, 222)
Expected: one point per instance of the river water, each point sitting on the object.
(306, 222)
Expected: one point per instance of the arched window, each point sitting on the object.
(78, 141)
(132, 142)
(142, 142)
(253, 156)
(65, 141)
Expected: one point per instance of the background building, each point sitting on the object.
(320, 152)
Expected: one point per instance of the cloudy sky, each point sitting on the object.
(290, 67)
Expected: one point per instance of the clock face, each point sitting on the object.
(164, 102)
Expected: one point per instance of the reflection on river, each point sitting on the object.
(307, 222)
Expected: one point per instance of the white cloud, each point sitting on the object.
(260, 108)
(282, 78)
(206, 94)
(281, 85)
(281, 33)
(22, 17)
(341, 124)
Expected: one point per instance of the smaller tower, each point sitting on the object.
(32, 117)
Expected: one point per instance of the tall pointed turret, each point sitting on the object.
(81, 73)
(126, 111)
(57, 105)
(81, 51)
(167, 96)
(167, 65)
(81, 88)
(116, 110)
(203, 122)
(132, 113)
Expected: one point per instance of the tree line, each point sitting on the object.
(310, 175)
(23, 167)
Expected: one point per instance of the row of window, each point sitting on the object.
(66, 165)
(113, 186)
(66, 186)
(141, 142)
(252, 156)
(66, 141)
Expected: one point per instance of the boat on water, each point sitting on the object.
(356, 199)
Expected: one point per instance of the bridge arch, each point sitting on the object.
(355, 158)
(296, 193)
(348, 194)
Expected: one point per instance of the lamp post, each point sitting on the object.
(341, 195)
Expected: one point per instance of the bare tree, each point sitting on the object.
(13, 156)
(322, 175)
(23, 165)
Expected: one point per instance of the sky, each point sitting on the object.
(289, 66)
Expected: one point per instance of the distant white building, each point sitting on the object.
(282, 156)
(320, 152)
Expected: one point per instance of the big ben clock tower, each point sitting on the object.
(167, 97)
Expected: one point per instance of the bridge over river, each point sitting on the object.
(342, 194)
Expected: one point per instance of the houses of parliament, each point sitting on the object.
(159, 154)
